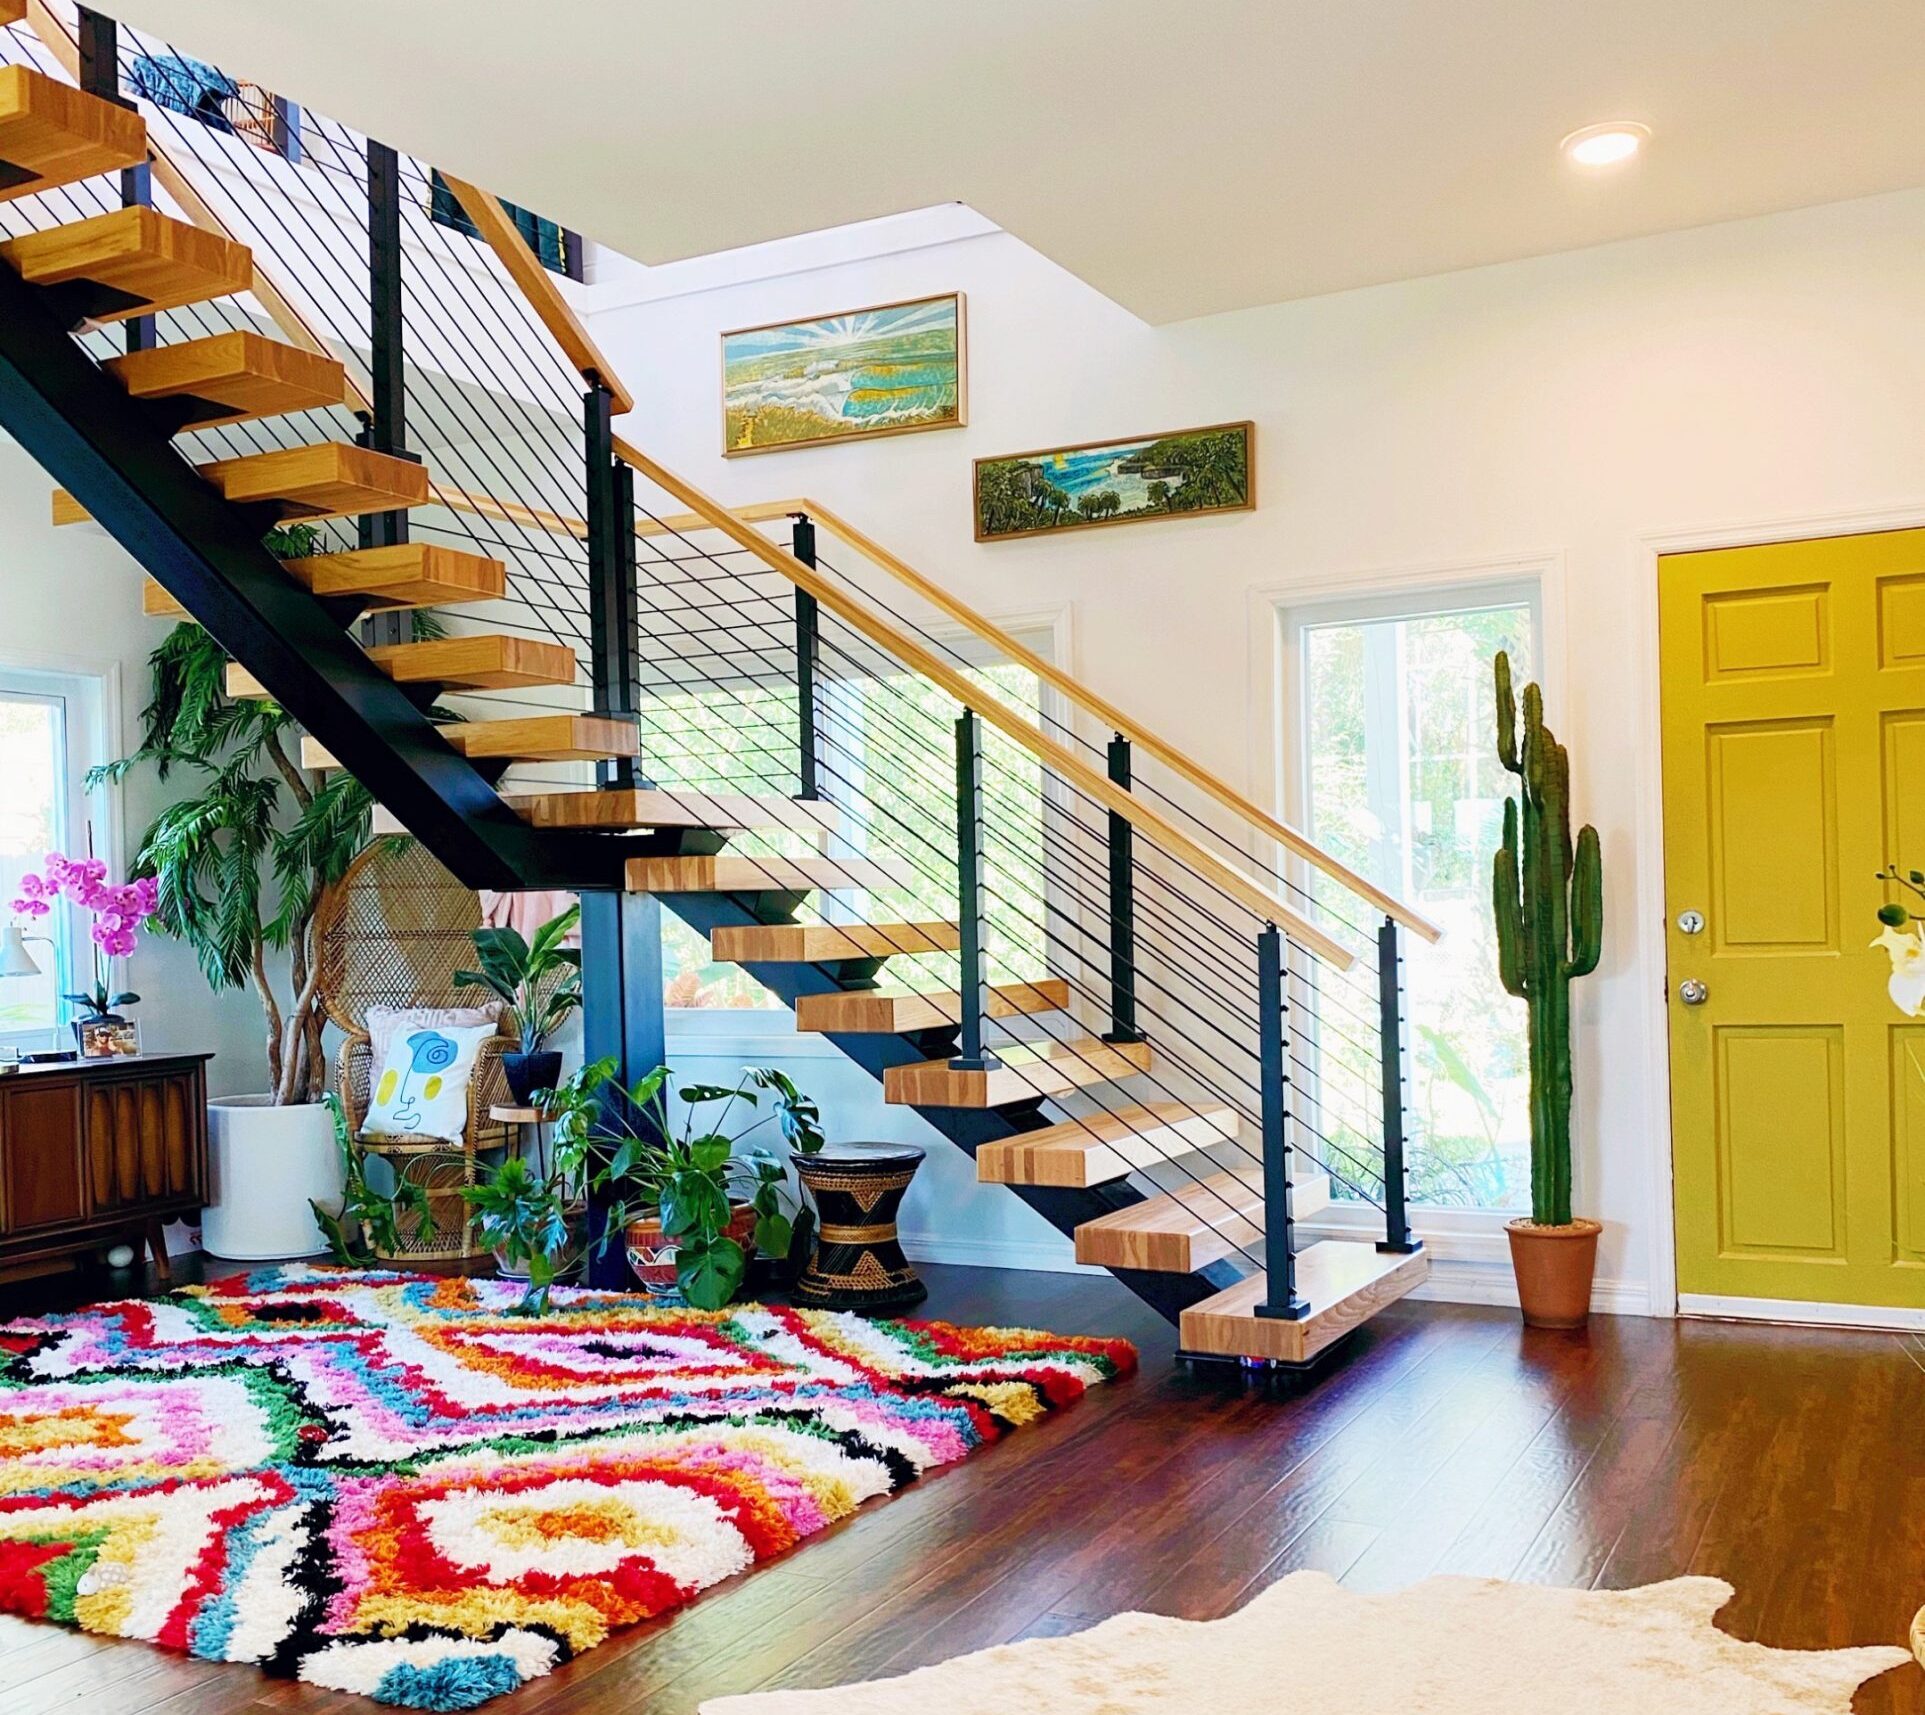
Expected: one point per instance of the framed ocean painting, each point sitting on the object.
(890, 370)
(1182, 474)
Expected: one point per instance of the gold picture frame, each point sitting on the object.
(1033, 501)
(779, 367)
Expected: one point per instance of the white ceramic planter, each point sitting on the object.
(263, 1164)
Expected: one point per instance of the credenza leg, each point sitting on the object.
(157, 1245)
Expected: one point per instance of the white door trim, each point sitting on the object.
(1651, 547)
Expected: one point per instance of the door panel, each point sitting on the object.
(1794, 769)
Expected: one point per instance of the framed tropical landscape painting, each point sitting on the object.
(890, 370)
(1184, 473)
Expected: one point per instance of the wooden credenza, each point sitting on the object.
(93, 1152)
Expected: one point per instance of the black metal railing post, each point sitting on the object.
(100, 75)
(1391, 1047)
(1122, 907)
(386, 427)
(614, 664)
(1281, 1300)
(973, 989)
(808, 660)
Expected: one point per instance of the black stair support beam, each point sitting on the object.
(75, 420)
(385, 429)
(1065, 1207)
(624, 1020)
(99, 41)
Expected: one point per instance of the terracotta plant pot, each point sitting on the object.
(652, 1255)
(1554, 1266)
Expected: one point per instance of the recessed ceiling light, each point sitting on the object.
(1605, 145)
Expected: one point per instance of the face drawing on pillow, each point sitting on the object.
(430, 1054)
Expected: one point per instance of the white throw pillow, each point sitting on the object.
(421, 1087)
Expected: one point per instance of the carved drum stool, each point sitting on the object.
(858, 1262)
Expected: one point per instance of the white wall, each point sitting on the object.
(71, 600)
(1567, 411)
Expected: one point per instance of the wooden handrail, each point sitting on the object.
(1292, 839)
(538, 287)
(1258, 900)
(300, 328)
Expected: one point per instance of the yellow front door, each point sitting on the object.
(1794, 769)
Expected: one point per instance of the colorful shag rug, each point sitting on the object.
(387, 1484)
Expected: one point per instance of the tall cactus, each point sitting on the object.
(1549, 901)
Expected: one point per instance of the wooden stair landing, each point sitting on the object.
(1026, 1072)
(1105, 1146)
(1344, 1282)
(410, 574)
(829, 943)
(131, 262)
(230, 378)
(526, 738)
(873, 1011)
(728, 873)
(53, 134)
(1192, 1224)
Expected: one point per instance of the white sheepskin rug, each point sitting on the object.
(1449, 1646)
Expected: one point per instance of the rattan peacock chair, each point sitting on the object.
(393, 934)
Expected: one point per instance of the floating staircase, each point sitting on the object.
(1168, 1193)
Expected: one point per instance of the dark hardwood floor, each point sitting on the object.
(1443, 1439)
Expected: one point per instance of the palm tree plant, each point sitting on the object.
(244, 860)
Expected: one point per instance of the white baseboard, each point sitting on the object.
(1879, 1318)
(1463, 1280)
(1043, 1256)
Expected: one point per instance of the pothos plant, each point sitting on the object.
(243, 861)
(621, 1144)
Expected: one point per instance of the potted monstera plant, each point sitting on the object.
(1548, 897)
(540, 982)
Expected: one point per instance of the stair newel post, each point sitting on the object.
(1122, 864)
(1393, 1047)
(972, 913)
(614, 648)
(100, 75)
(386, 427)
(1281, 1299)
(808, 660)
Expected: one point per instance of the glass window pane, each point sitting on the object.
(33, 764)
(1404, 784)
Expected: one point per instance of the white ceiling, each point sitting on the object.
(1183, 156)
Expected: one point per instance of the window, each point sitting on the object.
(219, 102)
(1400, 779)
(896, 729)
(559, 249)
(50, 731)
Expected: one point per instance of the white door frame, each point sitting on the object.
(1648, 827)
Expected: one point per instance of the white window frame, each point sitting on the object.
(89, 703)
(1468, 1245)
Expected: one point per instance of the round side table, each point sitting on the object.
(858, 1263)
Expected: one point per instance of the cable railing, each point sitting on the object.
(1207, 958)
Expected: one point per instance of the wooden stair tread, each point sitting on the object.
(409, 574)
(1186, 1228)
(728, 873)
(525, 738)
(1105, 1146)
(829, 943)
(130, 262)
(12, 11)
(1025, 1073)
(1344, 1282)
(53, 134)
(882, 1010)
(231, 378)
(489, 662)
(327, 480)
(676, 807)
